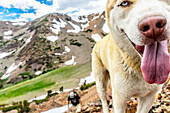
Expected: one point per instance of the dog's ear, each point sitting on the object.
(109, 7)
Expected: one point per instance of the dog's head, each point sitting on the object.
(145, 25)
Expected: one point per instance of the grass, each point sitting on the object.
(68, 77)
(1, 74)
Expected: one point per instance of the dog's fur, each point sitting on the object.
(116, 58)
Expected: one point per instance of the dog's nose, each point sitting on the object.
(152, 26)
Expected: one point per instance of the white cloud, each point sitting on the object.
(19, 20)
(23, 4)
(84, 7)
(13, 14)
(27, 16)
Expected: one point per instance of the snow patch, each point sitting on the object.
(52, 38)
(44, 96)
(56, 27)
(38, 98)
(88, 79)
(3, 55)
(19, 23)
(96, 17)
(105, 28)
(60, 54)
(10, 69)
(75, 30)
(20, 38)
(38, 72)
(96, 37)
(67, 90)
(62, 109)
(8, 32)
(102, 16)
(77, 18)
(67, 49)
(71, 62)
(85, 25)
(29, 40)
(7, 37)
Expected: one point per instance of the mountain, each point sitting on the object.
(28, 49)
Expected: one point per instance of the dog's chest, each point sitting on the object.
(133, 84)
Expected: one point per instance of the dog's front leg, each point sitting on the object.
(119, 103)
(101, 77)
(145, 103)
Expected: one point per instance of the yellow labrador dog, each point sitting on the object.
(135, 54)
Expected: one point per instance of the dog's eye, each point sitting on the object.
(124, 3)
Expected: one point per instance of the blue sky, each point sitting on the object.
(27, 10)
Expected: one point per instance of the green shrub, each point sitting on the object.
(41, 101)
(1, 74)
(75, 42)
(86, 86)
(21, 34)
(53, 94)
(2, 82)
(61, 89)
(61, 61)
(20, 66)
(26, 106)
(23, 107)
(45, 20)
(1, 37)
(2, 105)
(89, 30)
(25, 73)
(5, 109)
(90, 39)
(49, 92)
(104, 34)
(57, 48)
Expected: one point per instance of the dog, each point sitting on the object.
(134, 56)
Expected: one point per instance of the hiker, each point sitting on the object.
(76, 102)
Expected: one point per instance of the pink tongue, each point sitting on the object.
(155, 63)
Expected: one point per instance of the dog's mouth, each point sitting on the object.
(155, 65)
(140, 49)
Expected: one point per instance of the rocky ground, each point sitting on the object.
(92, 103)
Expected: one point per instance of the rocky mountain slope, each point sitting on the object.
(50, 42)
